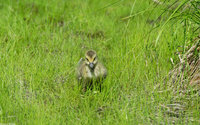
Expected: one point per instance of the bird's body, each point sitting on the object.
(90, 70)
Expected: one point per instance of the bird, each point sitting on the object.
(90, 71)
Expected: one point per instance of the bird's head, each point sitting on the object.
(91, 59)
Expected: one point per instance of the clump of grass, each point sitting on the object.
(187, 13)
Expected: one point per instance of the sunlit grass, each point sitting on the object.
(42, 41)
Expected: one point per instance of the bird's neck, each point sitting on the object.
(92, 70)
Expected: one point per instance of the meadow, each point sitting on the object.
(41, 42)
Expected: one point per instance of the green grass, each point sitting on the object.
(42, 41)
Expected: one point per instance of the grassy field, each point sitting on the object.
(42, 41)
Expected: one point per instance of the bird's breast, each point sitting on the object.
(89, 73)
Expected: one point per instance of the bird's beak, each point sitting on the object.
(91, 65)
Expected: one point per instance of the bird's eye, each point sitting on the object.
(87, 59)
(94, 58)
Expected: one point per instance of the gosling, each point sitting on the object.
(90, 71)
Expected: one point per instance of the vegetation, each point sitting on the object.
(41, 43)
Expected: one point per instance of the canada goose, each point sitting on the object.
(90, 71)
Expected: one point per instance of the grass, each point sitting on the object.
(42, 41)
